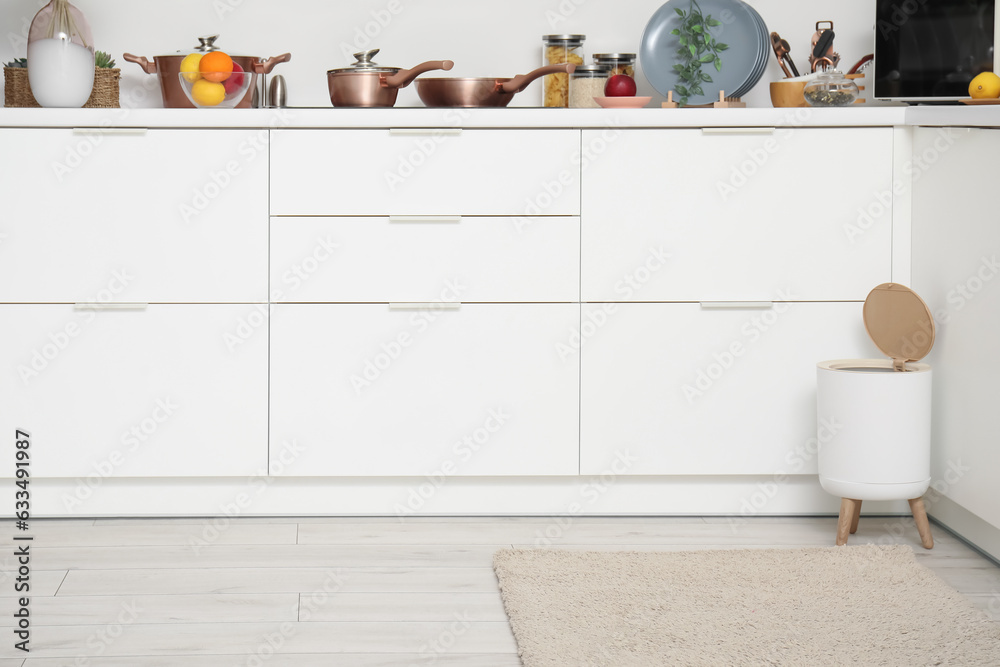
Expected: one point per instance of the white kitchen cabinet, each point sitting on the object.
(365, 390)
(164, 216)
(446, 171)
(956, 269)
(736, 214)
(413, 259)
(169, 391)
(686, 390)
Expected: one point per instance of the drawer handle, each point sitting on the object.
(426, 305)
(737, 130)
(89, 131)
(428, 219)
(417, 131)
(110, 306)
(737, 305)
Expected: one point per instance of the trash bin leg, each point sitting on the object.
(857, 516)
(846, 519)
(923, 525)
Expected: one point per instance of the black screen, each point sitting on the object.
(931, 49)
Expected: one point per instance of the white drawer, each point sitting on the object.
(362, 390)
(416, 259)
(169, 391)
(688, 391)
(678, 215)
(432, 172)
(164, 216)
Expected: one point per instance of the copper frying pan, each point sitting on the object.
(480, 91)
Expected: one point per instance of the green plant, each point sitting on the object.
(17, 63)
(698, 48)
(104, 60)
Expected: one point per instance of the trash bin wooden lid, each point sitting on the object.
(899, 323)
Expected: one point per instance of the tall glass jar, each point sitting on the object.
(617, 63)
(60, 56)
(586, 83)
(556, 50)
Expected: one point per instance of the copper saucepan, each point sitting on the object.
(367, 84)
(168, 68)
(481, 91)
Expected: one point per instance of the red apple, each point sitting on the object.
(620, 85)
(235, 80)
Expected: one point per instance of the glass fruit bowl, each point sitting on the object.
(215, 90)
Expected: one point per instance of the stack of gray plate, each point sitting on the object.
(743, 64)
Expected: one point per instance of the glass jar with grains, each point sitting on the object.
(616, 63)
(586, 83)
(557, 50)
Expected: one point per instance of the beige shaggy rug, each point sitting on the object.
(854, 605)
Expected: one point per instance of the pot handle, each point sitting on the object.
(148, 67)
(405, 77)
(266, 66)
(521, 81)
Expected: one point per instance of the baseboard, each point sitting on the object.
(608, 494)
(966, 525)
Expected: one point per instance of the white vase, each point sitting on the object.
(60, 56)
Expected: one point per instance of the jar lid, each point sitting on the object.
(364, 63)
(589, 71)
(899, 323)
(564, 40)
(614, 57)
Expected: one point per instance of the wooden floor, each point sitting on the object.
(372, 592)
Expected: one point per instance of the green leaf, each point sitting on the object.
(707, 58)
(713, 22)
(694, 51)
(681, 90)
(684, 40)
(680, 12)
(675, 31)
(718, 64)
(678, 67)
(697, 28)
(704, 76)
(721, 47)
(708, 79)
(696, 90)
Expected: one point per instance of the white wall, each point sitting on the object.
(483, 38)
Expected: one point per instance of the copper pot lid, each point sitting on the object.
(206, 44)
(899, 323)
(364, 63)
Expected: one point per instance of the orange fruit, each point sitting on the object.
(216, 66)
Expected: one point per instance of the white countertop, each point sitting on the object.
(518, 117)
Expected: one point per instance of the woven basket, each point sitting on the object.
(17, 90)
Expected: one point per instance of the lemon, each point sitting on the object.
(190, 65)
(985, 86)
(207, 93)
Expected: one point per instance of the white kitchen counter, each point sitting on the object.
(482, 118)
(981, 116)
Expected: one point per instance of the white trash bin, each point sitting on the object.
(874, 415)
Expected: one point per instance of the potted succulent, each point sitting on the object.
(17, 90)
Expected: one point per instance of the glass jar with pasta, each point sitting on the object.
(557, 50)
(616, 63)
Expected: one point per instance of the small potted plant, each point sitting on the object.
(17, 90)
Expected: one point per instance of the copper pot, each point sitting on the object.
(168, 68)
(482, 91)
(367, 84)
